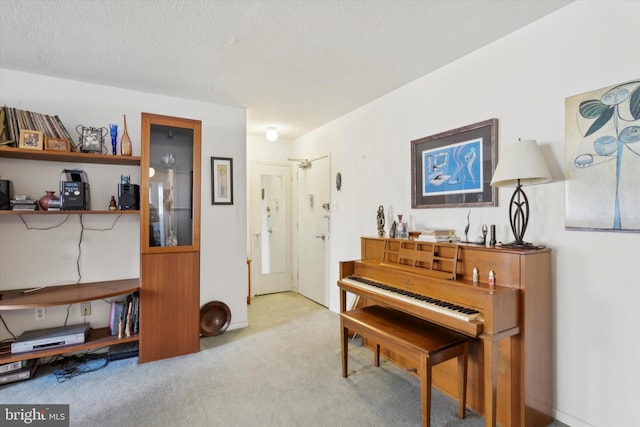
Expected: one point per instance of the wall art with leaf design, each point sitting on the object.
(602, 159)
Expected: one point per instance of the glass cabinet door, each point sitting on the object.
(170, 183)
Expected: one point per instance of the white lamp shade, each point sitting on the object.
(521, 161)
(272, 134)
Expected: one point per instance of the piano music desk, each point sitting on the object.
(424, 345)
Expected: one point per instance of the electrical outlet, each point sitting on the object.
(40, 313)
(85, 309)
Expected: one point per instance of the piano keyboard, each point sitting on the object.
(443, 307)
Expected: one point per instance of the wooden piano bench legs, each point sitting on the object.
(412, 338)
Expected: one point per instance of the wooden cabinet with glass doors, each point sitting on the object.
(170, 236)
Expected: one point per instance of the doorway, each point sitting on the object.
(271, 229)
(314, 214)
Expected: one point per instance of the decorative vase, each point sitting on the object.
(113, 129)
(44, 200)
(125, 142)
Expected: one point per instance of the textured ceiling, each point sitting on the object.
(293, 64)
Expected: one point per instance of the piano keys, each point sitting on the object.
(428, 303)
(510, 369)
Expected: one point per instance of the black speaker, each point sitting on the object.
(128, 197)
(6, 194)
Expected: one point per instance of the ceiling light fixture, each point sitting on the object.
(272, 134)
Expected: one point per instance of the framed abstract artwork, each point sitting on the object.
(602, 159)
(454, 168)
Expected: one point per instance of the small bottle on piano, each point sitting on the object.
(492, 282)
(475, 276)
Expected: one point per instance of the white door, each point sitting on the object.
(314, 192)
(271, 228)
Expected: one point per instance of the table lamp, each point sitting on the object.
(520, 164)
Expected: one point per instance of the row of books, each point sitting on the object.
(18, 371)
(50, 126)
(125, 315)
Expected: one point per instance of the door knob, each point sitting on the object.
(322, 236)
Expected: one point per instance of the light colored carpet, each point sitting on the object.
(282, 370)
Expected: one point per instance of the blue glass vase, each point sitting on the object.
(113, 129)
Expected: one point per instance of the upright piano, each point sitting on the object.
(509, 377)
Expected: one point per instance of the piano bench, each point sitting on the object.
(415, 339)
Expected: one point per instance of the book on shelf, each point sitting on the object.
(123, 317)
(26, 372)
(117, 308)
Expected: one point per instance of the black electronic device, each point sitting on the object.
(128, 197)
(6, 194)
(75, 192)
(74, 196)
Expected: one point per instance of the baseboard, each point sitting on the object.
(570, 420)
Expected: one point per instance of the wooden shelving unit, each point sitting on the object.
(97, 338)
(68, 156)
(118, 212)
(19, 299)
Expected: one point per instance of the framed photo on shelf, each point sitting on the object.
(56, 144)
(221, 181)
(454, 168)
(31, 139)
(91, 139)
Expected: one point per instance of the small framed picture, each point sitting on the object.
(56, 144)
(91, 140)
(31, 139)
(221, 181)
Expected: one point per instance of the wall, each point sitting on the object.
(522, 80)
(31, 258)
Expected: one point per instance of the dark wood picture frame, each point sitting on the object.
(221, 181)
(453, 169)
